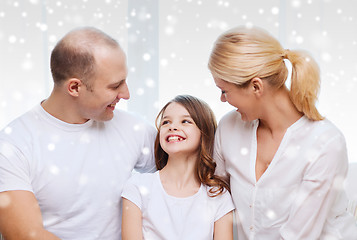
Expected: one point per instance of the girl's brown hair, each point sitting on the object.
(205, 120)
(242, 54)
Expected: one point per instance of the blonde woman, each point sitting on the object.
(285, 162)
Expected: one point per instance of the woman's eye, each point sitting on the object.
(223, 92)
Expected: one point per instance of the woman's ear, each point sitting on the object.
(73, 86)
(257, 86)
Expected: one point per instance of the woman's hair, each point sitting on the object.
(242, 53)
(205, 120)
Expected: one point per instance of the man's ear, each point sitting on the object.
(257, 86)
(73, 86)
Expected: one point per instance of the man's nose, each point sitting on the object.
(124, 92)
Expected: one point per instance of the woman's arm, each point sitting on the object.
(131, 226)
(223, 227)
(320, 186)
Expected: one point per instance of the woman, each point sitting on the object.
(285, 162)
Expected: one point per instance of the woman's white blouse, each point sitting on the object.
(300, 195)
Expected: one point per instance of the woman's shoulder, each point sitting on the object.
(233, 119)
(324, 129)
(230, 116)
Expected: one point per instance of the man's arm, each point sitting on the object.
(20, 217)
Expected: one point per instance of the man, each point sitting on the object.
(64, 163)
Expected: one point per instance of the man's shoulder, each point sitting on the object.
(22, 124)
(130, 120)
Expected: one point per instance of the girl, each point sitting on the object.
(183, 199)
(285, 162)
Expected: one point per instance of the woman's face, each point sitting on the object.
(241, 98)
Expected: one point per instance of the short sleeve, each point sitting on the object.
(224, 205)
(146, 162)
(131, 190)
(14, 169)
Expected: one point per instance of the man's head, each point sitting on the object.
(90, 67)
(73, 56)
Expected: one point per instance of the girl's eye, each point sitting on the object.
(223, 92)
(186, 121)
(164, 122)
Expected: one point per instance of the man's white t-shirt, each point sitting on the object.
(168, 217)
(76, 171)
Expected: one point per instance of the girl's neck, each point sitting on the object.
(179, 177)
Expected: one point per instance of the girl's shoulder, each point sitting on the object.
(222, 203)
(210, 192)
(142, 178)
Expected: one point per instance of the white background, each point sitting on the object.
(186, 31)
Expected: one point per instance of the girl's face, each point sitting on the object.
(241, 98)
(179, 134)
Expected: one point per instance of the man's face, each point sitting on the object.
(107, 87)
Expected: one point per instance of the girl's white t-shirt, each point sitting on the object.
(168, 217)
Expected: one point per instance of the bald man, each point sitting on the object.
(63, 164)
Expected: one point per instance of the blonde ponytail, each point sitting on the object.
(305, 83)
(241, 54)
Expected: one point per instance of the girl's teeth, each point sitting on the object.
(174, 138)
